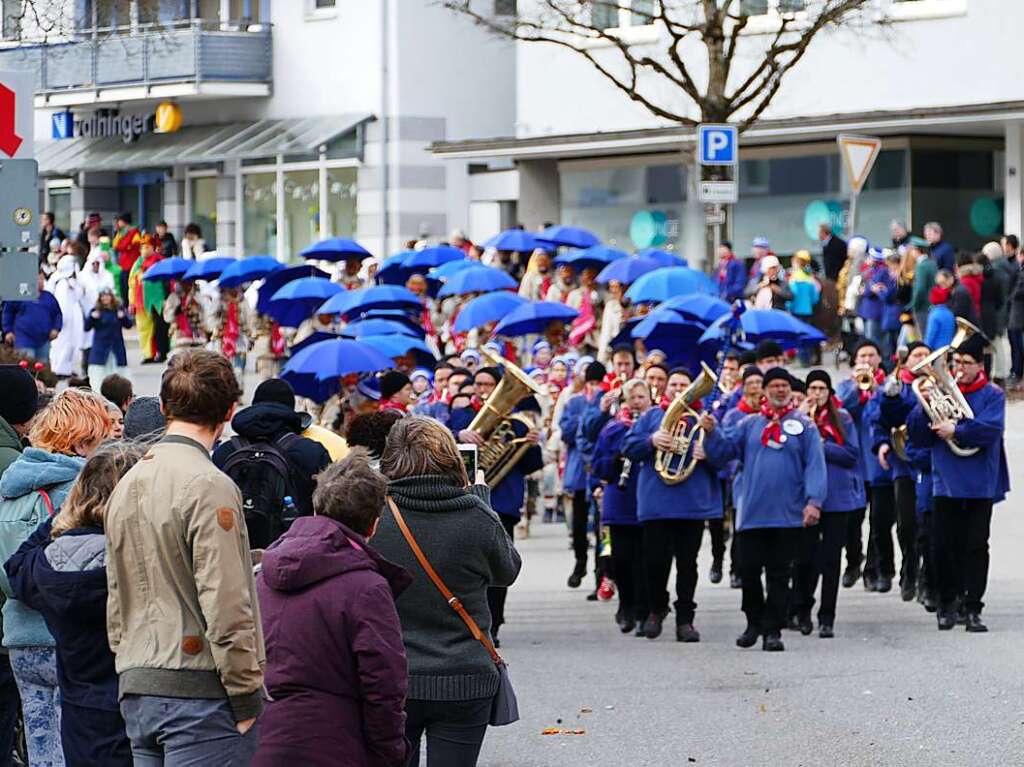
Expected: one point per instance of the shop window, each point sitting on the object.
(259, 213)
(58, 202)
(341, 202)
(301, 210)
(959, 190)
(203, 193)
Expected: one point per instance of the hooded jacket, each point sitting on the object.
(267, 422)
(34, 470)
(336, 668)
(32, 321)
(10, 451)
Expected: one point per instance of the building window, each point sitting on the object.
(58, 202)
(341, 202)
(12, 11)
(203, 195)
(318, 4)
(604, 15)
(771, 7)
(505, 8)
(641, 12)
(301, 210)
(259, 213)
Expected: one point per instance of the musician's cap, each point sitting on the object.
(541, 345)
(750, 371)
(778, 374)
(820, 375)
(760, 242)
(581, 364)
(767, 349)
(421, 373)
(369, 387)
(528, 405)
(797, 384)
(867, 342)
(393, 382)
(596, 372)
(917, 345)
(974, 347)
(493, 372)
(494, 348)
(877, 254)
(470, 354)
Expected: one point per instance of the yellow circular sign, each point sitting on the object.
(168, 117)
(22, 216)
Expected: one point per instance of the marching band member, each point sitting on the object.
(781, 487)
(965, 487)
(822, 545)
(672, 514)
(656, 378)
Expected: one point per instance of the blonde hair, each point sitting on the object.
(417, 445)
(86, 504)
(74, 418)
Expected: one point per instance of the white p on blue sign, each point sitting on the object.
(717, 144)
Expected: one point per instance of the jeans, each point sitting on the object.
(496, 594)
(821, 550)
(455, 730)
(40, 353)
(628, 569)
(665, 540)
(10, 704)
(770, 550)
(961, 529)
(35, 669)
(185, 732)
(906, 529)
(883, 517)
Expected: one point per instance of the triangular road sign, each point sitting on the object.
(859, 154)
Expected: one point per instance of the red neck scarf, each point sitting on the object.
(743, 407)
(476, 403)
(545, 286)
(585, 322)
(696, 407)
(975, 385)
(773, 431)
(625, 415)
(230, 332)
(825, 426)
(723, 266)
(277, 340)
(390, 404)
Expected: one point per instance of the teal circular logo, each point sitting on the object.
(648, 228)
(987, 216)
(820, 212)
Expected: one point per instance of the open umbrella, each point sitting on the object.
(400, 316)
(481, 279)
(335, 249)
(444, 271)
(337, 358)
(665, 283)
(664, 329)
(208, 270)
(312, 338)
(569, 237)
(376, 297)
(513, 239)
(378, 327)
(428, 258)
(398, 345)
(663, 257)
(309, 386)
(627, 270)
(534, 318)
(275, 281)
(168, 269)
(248, 270)
(698, 307)
(298, 301)
(596, 257)
(491, 307)
(758, 325)
(392, 271)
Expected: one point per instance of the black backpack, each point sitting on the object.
(263, 473)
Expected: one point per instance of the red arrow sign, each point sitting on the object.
(9, 140)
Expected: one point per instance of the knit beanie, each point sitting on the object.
(777, 374)
(820, 375)
(275, 390)
(393, 382)
(143, 417)
(595, 372)
(20, 395)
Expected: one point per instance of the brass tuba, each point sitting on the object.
(495, 422)
(945, 401)
(676, 465)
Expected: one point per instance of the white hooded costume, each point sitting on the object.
(66, 349)
(92, 280)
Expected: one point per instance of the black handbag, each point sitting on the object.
(504, 707)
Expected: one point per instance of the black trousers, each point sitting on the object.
(821, 553)
(1016, 339)
(91, 736)
(455, 730)
(855, 538)
(161, 333)
(665, 540)
(10, 704)
(883, 518)
(496, 594)
(926, 577)
(906, 528)
(770, 550)
(580, 517)
(628, 570)
(961, 528)
(716, 529)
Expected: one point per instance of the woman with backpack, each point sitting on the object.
(32, 490)
(61, 572)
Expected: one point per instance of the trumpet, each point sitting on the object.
(676, 465)
(865, 377)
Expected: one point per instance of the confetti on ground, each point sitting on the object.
(586, 710)
(561, 731)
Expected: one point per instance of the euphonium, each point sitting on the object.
(676, 465)
(495, 422)
(945, 401)
(964, 330)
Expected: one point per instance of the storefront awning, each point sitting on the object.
(196, 145)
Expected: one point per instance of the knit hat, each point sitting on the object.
(864, 343)
(777, 374)
(760, 242)
(797, 384)
(470, 354)
(143, 417)
(541, 345)
(493, 372)
(750, 371)
(974, 347)
(369, 387)
(768, 349)
(916, 345)
(820, 375)
(393, 382)
(581, 364)
(802, 255)
(596, 372)
(421, 373)
(275, 390)
(21, 397)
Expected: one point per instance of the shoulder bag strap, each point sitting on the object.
(452, 600)
(46, 500)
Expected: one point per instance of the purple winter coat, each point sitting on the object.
(336, 668)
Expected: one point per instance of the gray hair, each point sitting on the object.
(418, 445)
(935, 226)
(351, 492)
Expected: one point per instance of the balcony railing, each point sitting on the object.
(146, 57)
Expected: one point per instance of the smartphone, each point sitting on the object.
(470, 457)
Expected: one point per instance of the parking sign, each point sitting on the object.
(717, 144)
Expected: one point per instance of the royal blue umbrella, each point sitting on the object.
(377, 327)
(627, 270)
(396, 315)
(758, 325)
(428, 258)
(482, 279)
(444, 271)
(698, 307)
(208, 270)
(248, 270)
(337, 358)
(534, 318)
(663, 257)
(399, 345)
(484, 309)
(376, 297)
(392, 271)
(275, 281)
(569, 237)
(298, 301)
(312, 338)
(335, 249)
(665, 283)
(309, 386)
(168, 269)
(664, 329)
(596, 257)
(513, 239)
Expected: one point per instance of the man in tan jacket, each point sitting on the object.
(182, 617)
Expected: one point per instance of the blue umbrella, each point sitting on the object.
(758, 325)
(309, 386)
(663, 257)
(277, 280)
(698, 307)
(377, 327)
(392, 271)
(482, 279)
(337, 358)
(513, 239)
(335, 249)
(597, 257)
(248, 270)
(428, 258)
(298, 301)
(313, 338)
(627, 270)
(534, 318)
(665, 283)
(168, 269)
(569, 237)
(444, 271)
(664, 329)
(376, 297)
(486, 308)
(398, 345)
(396, 315)
(209, 270)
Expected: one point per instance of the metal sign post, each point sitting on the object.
(718, 148)
(859, 154)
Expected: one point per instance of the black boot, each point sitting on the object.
(825, 631)
(687, 633)
(974, 624)
(772, 643)
(946, 620)
(715, 576)
(748, 638)
(652, 626)
(908, 590)
(804, 624)
(851, 575)
(577, 575)
(884, 584)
